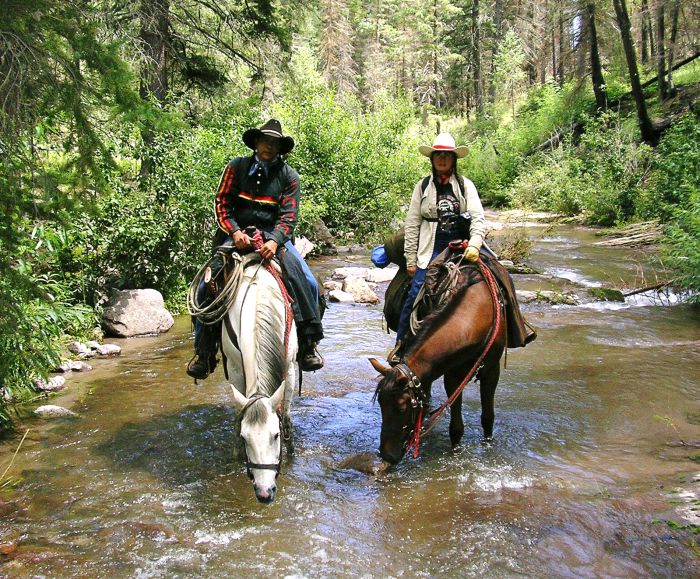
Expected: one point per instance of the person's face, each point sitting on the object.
(267, 147)
(443, 161)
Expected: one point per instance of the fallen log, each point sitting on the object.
(641, 290)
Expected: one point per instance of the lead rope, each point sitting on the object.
(491, 284)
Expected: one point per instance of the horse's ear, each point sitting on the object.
(277, 398)
(239, 400)
(379, 367)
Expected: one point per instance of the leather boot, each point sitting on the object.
(310, 358)
(206, 346)
(395, 354)
(201, 366)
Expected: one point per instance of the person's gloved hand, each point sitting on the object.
(471, 253)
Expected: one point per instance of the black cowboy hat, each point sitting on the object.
(271, 128)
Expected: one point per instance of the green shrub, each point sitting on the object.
(675, 171)
(682, 245)
(357, 168)
(36, 316)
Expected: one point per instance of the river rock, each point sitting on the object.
(343, 272)
(74, 366)
(136, 313)
(548, 296)
(338, 295)
(52, 385)
(381, 275)
(108, 350)
(360, 290)
(53, 411)
(80, 350)
(303, 246)
(332, 285)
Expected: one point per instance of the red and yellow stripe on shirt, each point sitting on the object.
(258, 198)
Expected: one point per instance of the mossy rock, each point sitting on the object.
(606, 294)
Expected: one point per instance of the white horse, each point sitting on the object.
(259, 341)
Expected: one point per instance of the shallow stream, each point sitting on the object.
(587, 463)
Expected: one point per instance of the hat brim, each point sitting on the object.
(252, 135)
(427, 150)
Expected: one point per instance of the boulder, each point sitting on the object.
(378, 275)
(325, 239)
(136, 313)
(360, 290)
(338, 295)
(74, 366)
(303, 245)
(357, 272)
(80, 350)
(332, 285)
(52, 385)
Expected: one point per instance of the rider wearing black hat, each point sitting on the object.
(262, 191)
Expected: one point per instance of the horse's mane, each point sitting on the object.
(270, 352)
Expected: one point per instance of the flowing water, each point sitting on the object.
(585, 477)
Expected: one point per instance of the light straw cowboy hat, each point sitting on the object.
(272, 128)
(443, 142)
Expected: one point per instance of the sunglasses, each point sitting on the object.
(443, 153)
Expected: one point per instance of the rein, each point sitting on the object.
(420, 430)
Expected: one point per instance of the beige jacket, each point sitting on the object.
(420, 234)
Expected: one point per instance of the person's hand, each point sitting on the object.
(268, 250)
(241, 240)
(411, 270)
(471, 253)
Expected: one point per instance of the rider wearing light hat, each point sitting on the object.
(431, 221)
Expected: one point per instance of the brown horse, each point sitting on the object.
(455, 340)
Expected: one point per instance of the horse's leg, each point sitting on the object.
(452, 382)
(488, 380)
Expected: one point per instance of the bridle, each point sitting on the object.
(268, 466)
(418, 400)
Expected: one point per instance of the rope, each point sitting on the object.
(214, 312)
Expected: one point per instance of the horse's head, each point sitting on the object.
(261, 432)
(400, 397)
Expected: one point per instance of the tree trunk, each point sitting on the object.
(675, 10)
(495, 41)
(661, 50)
(647, 130)
(478, 75)
(155, 28)
(560, 69)
(601, 96)
(647, 36)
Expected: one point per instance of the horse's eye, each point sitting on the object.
(276, 436)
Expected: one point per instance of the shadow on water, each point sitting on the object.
(191, 445)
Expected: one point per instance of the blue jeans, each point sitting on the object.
(416, 284)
